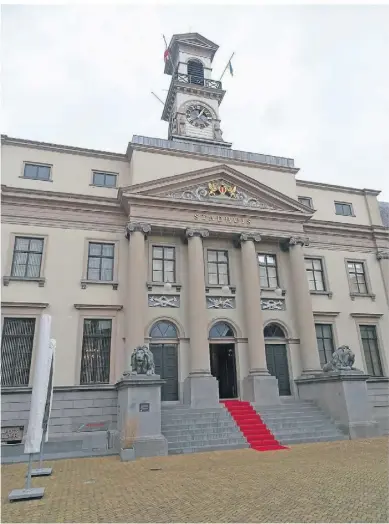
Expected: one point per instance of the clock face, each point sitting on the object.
(198, 116)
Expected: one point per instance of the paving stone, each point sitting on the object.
(343, 481)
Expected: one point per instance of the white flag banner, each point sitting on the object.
(40, 387)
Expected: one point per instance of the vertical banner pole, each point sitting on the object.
(28, 476)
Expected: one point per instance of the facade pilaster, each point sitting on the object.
(383, 258)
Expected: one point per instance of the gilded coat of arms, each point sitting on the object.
(220, 189)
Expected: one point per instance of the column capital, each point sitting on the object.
(142, 227)
(383, 255)
(202, 233)
(253, 236)
(301, 241)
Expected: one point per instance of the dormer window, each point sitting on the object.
(196, 72)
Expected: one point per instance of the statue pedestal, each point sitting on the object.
(139, 401)
(343, 395)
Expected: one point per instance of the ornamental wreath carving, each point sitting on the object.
(142, 361)
(342, 360)
(220, 303)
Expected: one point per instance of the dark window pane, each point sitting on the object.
(325, 342)
(30, 171)
(100, 262)
(16, 351)
(43, 173)
(163, 329)
(273, 331)
(371, 350)
(217, 267)
(163, 264)
(96, 351)
(110, 180)
(98, 179)
(27, 257)
(221, 330)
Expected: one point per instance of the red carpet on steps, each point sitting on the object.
(250, 424)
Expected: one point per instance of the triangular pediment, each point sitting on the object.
(193, 39)
(218, 186)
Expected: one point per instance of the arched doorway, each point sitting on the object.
(196, 72)
(164, 346)
(223, 362)
(276, 356)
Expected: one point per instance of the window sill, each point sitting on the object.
(208, 287)
(328, 293)
(272, 290)
(35, 179)
(175, 285)
(104, 187)
(7, 279)
(85, 283)
(366, 295)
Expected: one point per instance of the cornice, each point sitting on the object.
(60, 148)
(211, 158)
(25, 305)
(107, 307)
(366, 315)
(333, 187)
(326, 314)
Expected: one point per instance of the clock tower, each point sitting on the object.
(193, 100)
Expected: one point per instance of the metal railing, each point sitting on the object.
(198, 80)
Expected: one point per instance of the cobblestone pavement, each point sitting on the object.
(344, 481)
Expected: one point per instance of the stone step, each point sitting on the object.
(203, 449)
(205, 442)
(184, 409)
(206, 415)
(290, 424)
(185, 425)
(172, 432)
(302, 417)
(206, 437)
(279, 435)
(307, 440)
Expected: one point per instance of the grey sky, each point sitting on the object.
(310, 82)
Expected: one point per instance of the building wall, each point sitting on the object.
(71, 173)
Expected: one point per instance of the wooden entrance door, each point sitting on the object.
(166, 365)
(277, 364)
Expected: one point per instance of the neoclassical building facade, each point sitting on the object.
(240, 276)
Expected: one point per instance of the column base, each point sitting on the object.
(261, 389)
(201, 391)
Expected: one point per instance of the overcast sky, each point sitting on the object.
(310, 82)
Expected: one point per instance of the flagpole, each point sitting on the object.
(157, 97)
(225, 69)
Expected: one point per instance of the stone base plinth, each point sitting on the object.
(201, 391)
(261, 390)
(344, 396)
(139, 402)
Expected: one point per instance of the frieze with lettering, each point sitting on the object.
(222, 219)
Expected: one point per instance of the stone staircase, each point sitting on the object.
(191, 430)
(297, 422)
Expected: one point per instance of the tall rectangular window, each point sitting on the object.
(100, 261)
(104, 179)
(315, 272)
(343, 208)
(37, 171)
(325, 342)
(217, 266)
(268, 271)
(357, 277)
(164, 264)
(27, 257)
(96, 351)
(371, 351)
(16, 351)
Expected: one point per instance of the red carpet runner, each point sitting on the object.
(251, 425)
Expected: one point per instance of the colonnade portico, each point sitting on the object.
(200, 387)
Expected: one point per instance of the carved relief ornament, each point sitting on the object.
(381, 255)
(202, 233)
(300, 241)
(142, 227)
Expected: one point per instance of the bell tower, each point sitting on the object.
(193, 100)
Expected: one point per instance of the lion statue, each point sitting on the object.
(342, 359)
(142, 361)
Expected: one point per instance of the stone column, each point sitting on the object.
(383, 258)
(303, 307)
(200, 387)
(136, 293)
(259, 386)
